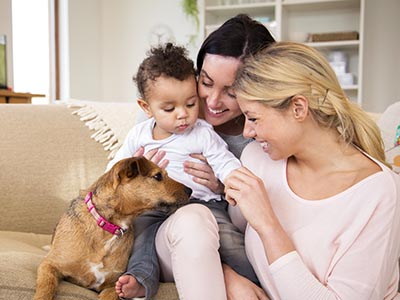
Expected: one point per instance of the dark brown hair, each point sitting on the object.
(238, 37)
(164, 60)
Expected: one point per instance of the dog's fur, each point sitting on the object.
(85, 254)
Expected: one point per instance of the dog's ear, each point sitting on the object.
(145, 166)
(129, 168)
(133, 169)
(139, 165)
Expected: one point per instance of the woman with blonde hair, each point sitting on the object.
(321, 203)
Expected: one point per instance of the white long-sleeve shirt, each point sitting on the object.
(200, 139)
(347, 246)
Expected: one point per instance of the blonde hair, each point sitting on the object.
(285, 69)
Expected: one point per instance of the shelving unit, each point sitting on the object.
(295, 20)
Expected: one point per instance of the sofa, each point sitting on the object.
(49, 153)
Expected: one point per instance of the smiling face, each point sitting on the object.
(219, 102)
(173, 104)
(276, 130)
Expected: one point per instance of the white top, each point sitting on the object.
(347, 246)
(201, 139)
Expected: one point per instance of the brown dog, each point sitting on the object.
(93, 239)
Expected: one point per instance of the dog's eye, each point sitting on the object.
(158, 177)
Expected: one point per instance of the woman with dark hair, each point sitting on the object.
(218, 59)
(187, 243)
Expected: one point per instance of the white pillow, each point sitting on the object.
(389, 123)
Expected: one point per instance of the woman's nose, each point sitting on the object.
(213, 98)
(248, 130)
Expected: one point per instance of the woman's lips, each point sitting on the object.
(216, 112)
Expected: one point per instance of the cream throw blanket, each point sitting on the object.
(110, 121)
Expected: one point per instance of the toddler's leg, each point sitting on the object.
(187, 246)
(127, 287)
(232, 248)
(143, 262)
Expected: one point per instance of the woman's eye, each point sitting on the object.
(252, 119)
(206, 84)
(231, 95)
(158, 177)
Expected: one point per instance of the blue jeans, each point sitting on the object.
(143, 262)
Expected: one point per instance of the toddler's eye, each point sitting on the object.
(169, 109)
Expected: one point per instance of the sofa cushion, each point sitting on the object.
(47, 155)
(20, 256)
(389, 123)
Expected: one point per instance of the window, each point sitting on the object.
(31, 48)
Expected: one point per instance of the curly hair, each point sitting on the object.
(164, 60)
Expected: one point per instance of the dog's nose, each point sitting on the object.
(188, 191)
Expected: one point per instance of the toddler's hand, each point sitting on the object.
(155, 155)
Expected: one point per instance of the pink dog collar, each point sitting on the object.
(101, 222)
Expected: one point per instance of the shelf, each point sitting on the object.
(296, 19)
(353, 87)
(223, 12)
(319, 4)
(335, 44)
(240, 7)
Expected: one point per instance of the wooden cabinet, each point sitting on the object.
(296, 20)
(7, 96)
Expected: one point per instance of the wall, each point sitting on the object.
(109, 39)
(85, 49)
(381, 71)
(116, 46)
(6, 28)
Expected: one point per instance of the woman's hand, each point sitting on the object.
(247, 190)
(239, 287)
(203, 173)
(155, 155)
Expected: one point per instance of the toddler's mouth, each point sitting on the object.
(183, 127)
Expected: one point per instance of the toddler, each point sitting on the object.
(166, 81)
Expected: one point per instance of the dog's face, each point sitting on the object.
(138, 184)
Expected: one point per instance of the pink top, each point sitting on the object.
(347, 246)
